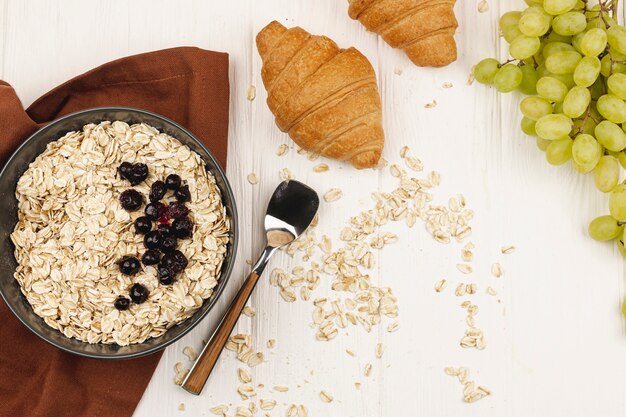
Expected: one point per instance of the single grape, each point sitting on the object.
(608, 68)
(569, 24)
(617, 202)
(553, 126)
(555, 37)
(577, 41)
(509, 19)
(558, 107)
(612, 108)
(597, 90)
(554, 47)
(621, 157)
(593, 42)
(529, 80)
(576, 102)
(587, 71)
(512, 33)
(556, 7)
(559, 151)
(606, 173)
(534, 107)
(617, 85)
(586, 152)
(542, 144)
(582, 125)
(508, 78)
(533, 2)
(551, 89)
(616, 36)
(611, 136)
(485, 70)
(534, 24)
(604, 228)
(524, 47)
(528, 126)
(563, 62)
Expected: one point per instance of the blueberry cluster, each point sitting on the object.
(162, 225)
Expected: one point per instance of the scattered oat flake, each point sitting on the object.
(379, 350)
(470, 78)
(368, 369)
(281, 388)
(414, 163)
(267, 404)
(252, 178)
(471, 393)
(251, 92)
(243, 412)
(244, 375)
(326, 397)
(491, 291)
(333, 194)
(507, 249)
(219, 410)
(282, 149)
(431, 105)
(496, 270)
(181, 407)
(249, 311)
(404, 151)
(441, 285)
(350, 352)
(271, 343)
(397, 71)
(357, 385)
(393, 326)
(447, 85)
(286, 174)
(190, 353)
(464, 268)
(320, 168)
(483, 6)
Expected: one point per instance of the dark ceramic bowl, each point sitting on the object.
(15, 167)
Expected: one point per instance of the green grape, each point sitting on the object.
(559, 151)
(597, 90)
(586, 152)
(576, 102)
(511, 33)
(593, 42)
(509, 19)
(587, 71)
(555, 7)
(558, 107)
(554, 47)
(543, 144)
(607, 68)
(507, 78)
(551, 89)
(533, 2)
(577, 41)
(604, 228)
(617, 85)
(534, 24)
(606, 173)
(612, 108)
(528, 126)
(611, 136)
(555, 37)
(553, 126)
(524, 47)
(616, 36)
(485, 70)
(529, 80)
(621, 157)
(534, 107)
(587, 126)
(563, 62)
(617, 202)
(569, 24)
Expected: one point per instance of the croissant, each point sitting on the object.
(424, 29)
(325, 97)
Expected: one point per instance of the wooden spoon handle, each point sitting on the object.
(199, 373)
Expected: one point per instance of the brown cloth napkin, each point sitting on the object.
(188, 85)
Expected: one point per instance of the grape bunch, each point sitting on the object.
(569, 58)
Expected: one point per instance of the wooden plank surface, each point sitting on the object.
(555, 339)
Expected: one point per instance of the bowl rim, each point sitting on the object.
(234, 229)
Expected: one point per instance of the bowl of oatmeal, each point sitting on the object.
(120, 232)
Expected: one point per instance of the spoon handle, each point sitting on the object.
(199, 373)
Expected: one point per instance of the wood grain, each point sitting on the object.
(555, 339)
(201, 370)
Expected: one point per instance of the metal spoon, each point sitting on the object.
(289, 212)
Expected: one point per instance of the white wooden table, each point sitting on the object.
(556, 340)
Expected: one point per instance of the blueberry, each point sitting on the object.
(172, 181)
(177, 210)
(183, 228)
(139, 293)
(143, 225)
(138, 173)
(152, 240)
(125, 169)
(153, 210)
(182, 194)
(175, 261)
(157, 191)
(129, 265)
(131, 200)
(121, 303)
(165, 229)
(166, 276)
(169, 244)
(151, 257)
